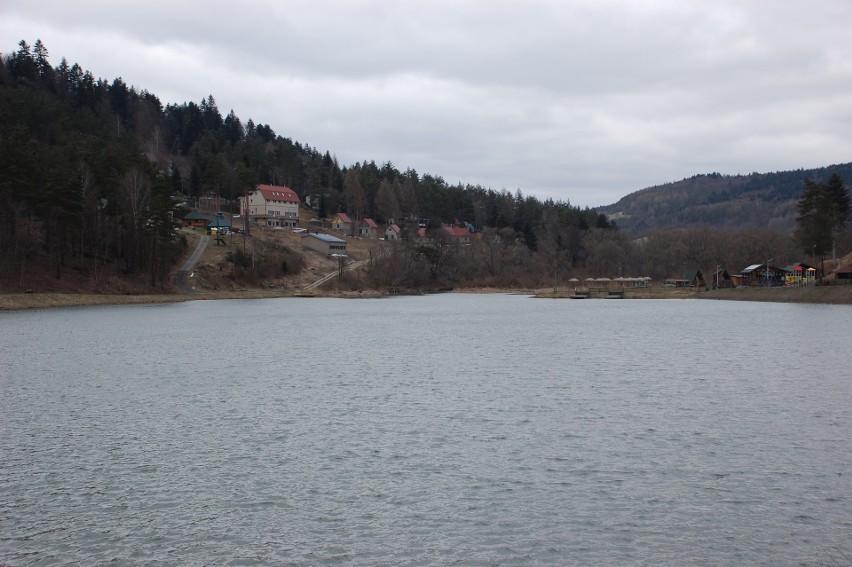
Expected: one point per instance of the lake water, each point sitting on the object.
(436, 430)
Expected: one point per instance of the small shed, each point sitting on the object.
(324, 243)
(196, 219)
(694, 277)
(844, 274)
(722, 279)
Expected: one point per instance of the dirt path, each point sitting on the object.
(185, 272)
(328, 277)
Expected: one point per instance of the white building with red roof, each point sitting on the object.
(369, 229)
(272, 205)
(393, 232)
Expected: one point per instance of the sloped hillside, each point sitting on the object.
(759, 200)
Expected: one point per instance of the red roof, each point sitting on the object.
(457, 232)
(371, 223)
(344, 217)
(278, 193)
(394, 227)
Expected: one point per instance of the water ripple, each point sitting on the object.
(472, 430)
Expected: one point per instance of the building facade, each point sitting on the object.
(272, 205)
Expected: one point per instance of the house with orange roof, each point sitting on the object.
(272, 205)
(456, 233)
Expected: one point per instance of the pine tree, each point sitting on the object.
(838, 198)
(824, 210)
(45, 71)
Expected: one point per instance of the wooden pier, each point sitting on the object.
(599, 293)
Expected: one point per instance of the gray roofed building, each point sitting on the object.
(324, 243)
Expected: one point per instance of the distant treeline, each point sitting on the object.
(735, 202)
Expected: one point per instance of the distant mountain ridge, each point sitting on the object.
(758, 200)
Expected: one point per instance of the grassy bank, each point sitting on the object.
(13, 301)
(832, 295)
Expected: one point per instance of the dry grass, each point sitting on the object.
(838, 295)
(213, 279)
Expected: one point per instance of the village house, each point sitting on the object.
(393, 232)
(422, 237)
(457, 233)
(324, 243)
(272, 205)
(369, 229)
(341, 222)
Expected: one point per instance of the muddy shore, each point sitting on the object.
(833, 295)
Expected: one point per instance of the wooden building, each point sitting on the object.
(694, 277)
(196, 219)
(843, 275)
(759, 275)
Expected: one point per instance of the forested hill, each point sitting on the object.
(759, 200)
(69, 118)
(91, 167)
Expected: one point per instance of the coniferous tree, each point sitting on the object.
(824, 209)
(838, 197)
(45, 71)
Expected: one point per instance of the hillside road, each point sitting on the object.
(183, 274)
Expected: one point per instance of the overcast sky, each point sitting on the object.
(584, 101)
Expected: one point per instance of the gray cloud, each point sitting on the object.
(583, 100)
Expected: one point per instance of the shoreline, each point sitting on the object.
(822, 295)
